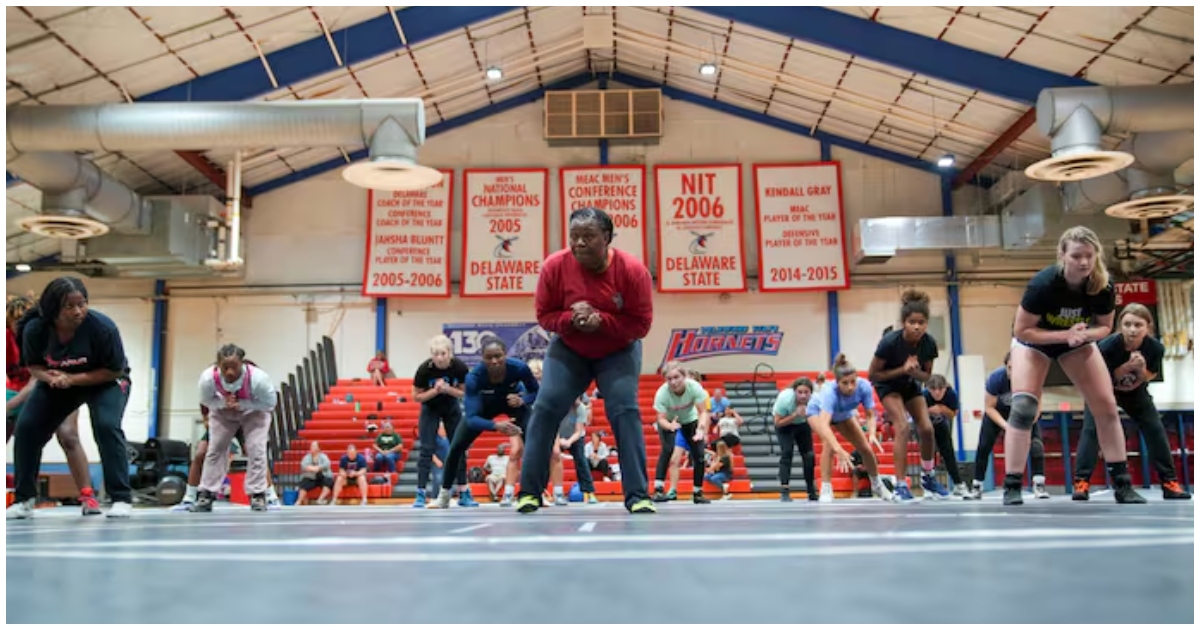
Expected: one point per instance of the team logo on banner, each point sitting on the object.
(687, 344)
(700, 228)
(504, 231)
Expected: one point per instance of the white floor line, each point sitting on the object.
(587, 527)
(463, 530)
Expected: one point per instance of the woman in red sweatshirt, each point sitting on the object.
(598, 302)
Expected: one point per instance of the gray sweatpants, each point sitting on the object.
(222, 425)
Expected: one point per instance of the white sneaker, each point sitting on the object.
(120, 510)
(183, 506)
(826, 495)
(1039, 487)
(506, 500)
(274, 505)
(560, 500)
(976, 491)
(443, 500)
(961, 490)
(883, 493)
(23, 509)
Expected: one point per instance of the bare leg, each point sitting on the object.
(677, 457)
(894, 406)
(338, 485)
(362, 488)
(77, 461)
(1029, 369)
(516, 449)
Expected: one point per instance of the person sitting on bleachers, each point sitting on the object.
(316, 471)
(389, 447)
(379, 369)
(596, 452)
(352, 469)
(496, 467)
(719, 471)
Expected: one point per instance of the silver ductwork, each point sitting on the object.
(878, 240)
(391, 129)
(1076, 119)
(78, 199)
(1149, 189)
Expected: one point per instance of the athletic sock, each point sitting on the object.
(827, 488)
(927, 465)
(271, 496)
(189, 496)
(508, 489)
(558, 491)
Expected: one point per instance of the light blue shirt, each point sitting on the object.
(830, 400)
(785, 405)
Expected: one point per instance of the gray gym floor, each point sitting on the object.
(862, 561)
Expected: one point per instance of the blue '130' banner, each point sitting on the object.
(525, 341)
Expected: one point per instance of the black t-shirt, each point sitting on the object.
(96, 345)
(1115, 355)
(1058, 306)
(894, 351)
(429, 374)
(949, 399)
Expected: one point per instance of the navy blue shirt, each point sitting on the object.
(359, 463)
(894, 351)
(486, 399)
(1000, 386)
(96, 345)
(429, 374)
(949, 399)
(1112, 348)
(1058, 306)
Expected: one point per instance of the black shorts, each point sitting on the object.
(731, 440)
(1055, 350)
(908, 389)
(321, 481)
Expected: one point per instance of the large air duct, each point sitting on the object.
(78, 199)
(1148, 189)
(391, 129)
(1076, 119)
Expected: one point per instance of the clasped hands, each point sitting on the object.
(584, 317)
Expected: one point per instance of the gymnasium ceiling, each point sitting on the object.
(905, 83)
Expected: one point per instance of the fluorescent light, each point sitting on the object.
(494, 73)
(946, 161)
(23, 267)
(708, 69)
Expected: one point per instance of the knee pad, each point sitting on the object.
(1024, 411)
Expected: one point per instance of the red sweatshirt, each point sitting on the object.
(17, 376)
(622, 295)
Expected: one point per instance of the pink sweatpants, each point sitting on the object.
(222, 425)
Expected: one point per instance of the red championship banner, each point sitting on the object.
(700, 247)
(618, 190)
(801, 227)
(504, 233)
(408, 241)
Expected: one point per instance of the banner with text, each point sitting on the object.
(504, 233)
(408, 241)
(690, 344)
(618, 190)
(700, 229)
(801, 228)
(525, 341)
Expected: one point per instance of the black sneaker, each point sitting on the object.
(258, 503)
(1123, 491)
(659, 497)
(204, 502)
(698, 498)
(815, 495)
(1173, 490)
(1012, 493)
(1082, 490)
(785, 495)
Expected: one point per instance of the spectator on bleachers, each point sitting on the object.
(496, 468)
(389, 447)
(352, 469)
(596, 452)
(316, 471)
(720, 471)
(379, 369)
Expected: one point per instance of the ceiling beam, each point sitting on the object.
(313, 57)
(995, 148)
(901, 49)
(213, 173)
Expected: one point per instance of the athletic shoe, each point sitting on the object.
(560, 500)
(903, 494)
(420, 502)
(443, 500)
(1039, 488)
(645, 506)
(660, 497)
(825, 496)
(933, 488)
(506, 500)
(204, 502)
(1172, 490)
(590, 498)
(699, 499)
(785, 495)
(466, 500)
(120, 509)
(183, 506)
(20, 510)
(87, 500)
(671, 496)
(274, 504)
(528, 504)
(1081, 490)
(1123, 490)
(1012, 493)
(976, 491)
(961, 491)
(880, 490)
(258, 503)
